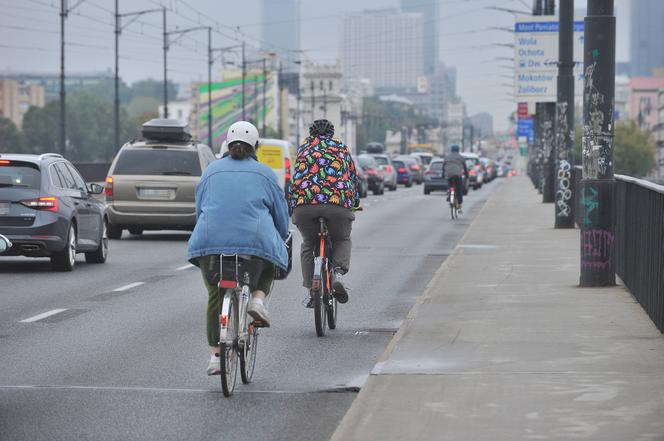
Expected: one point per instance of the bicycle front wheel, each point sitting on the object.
(320, 313)
(248, 355)
(229, 355)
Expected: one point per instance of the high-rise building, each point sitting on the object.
(384, 46)
(280, 31)
(429, 11)
(647, 39)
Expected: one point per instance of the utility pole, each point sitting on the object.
(63, 120)
(598, 185)
(548, 133)
(116, 101)
(564, 207)
(244, 80)
(165, 63)
(264, 94)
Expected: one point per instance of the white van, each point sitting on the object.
(276, 154)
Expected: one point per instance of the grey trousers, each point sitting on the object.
(339, 225)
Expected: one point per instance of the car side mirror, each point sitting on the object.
(95, 189)
(5, 244)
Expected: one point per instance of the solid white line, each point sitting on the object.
(130, 286)
(43, 315)
(185, 267)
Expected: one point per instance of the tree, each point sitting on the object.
(41, 128)
(11, 140)
(633, 149)
(154, 89)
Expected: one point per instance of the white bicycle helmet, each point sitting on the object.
(243, 131)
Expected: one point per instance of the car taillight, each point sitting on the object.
(402, 170)
(46, 203)
(108, 191)
(4, 162)
(471, 172)
(371, 171)
(287, 175)
(388, 168)
(415, 167)
(429, 172)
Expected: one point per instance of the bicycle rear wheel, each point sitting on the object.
(320, 313)
(248, 355)
(228, 351)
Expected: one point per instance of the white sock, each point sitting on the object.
(257, 300)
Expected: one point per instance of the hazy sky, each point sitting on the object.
(29, 39)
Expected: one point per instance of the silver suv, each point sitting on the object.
(152, 181)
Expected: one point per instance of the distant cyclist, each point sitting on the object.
(324, 184)
(240, 209)
(454, 170)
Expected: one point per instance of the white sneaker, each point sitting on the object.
(259, 313)
(214, 366)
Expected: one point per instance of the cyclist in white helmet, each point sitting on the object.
(240, 209)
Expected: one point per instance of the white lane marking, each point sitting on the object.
(184, 267)
(130, 286)
(43, 315)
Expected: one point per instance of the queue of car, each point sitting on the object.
(48, 210)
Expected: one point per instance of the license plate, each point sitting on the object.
(4, 208)
(156, 193)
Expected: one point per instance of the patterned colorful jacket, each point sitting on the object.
(324, 174)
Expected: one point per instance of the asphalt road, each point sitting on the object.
(126, 358)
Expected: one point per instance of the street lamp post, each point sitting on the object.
(598, 184)
(118, 30)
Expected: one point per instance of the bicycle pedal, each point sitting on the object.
(259, 324)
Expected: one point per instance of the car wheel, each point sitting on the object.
(426, 191)
(136, 231)
(66, 259)
(101, 253)
(408, 185)
(113, 231)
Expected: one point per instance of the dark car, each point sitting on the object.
(434, 180)
(47, 210)
(403, 174)
(361, 178)
(375, 175)
(414, 166)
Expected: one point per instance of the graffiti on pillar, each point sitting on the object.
(564, 192)
(590, 203)
(597, 142)
(596, 248)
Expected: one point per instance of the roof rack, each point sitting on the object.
(50, 155)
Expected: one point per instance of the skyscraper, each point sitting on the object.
(429, 11)
(280, 30)
(647, 36)
(384, 46)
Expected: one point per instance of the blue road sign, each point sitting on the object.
(526, 127)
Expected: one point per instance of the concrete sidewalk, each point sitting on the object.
(503, 345)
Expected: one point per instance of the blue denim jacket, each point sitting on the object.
(240, 209)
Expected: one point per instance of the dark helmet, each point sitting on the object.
(455, 148)
(321, 127)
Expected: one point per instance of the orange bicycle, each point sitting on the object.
(325, 305)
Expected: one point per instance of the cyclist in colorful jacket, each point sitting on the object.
(324, 184)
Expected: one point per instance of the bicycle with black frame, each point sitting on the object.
(325, 305)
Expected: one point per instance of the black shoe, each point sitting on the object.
(339, 290)
(308, 302)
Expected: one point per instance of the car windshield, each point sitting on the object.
(366, 162)
(426, 160)
(19, 174)
(382, 160)
(472, 162)
(436, 166)
(398, 164)
(158, 162)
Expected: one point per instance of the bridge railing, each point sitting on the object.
(639, 240)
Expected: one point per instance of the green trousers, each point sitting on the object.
(215, 295)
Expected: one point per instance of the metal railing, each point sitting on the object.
(639, 240)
